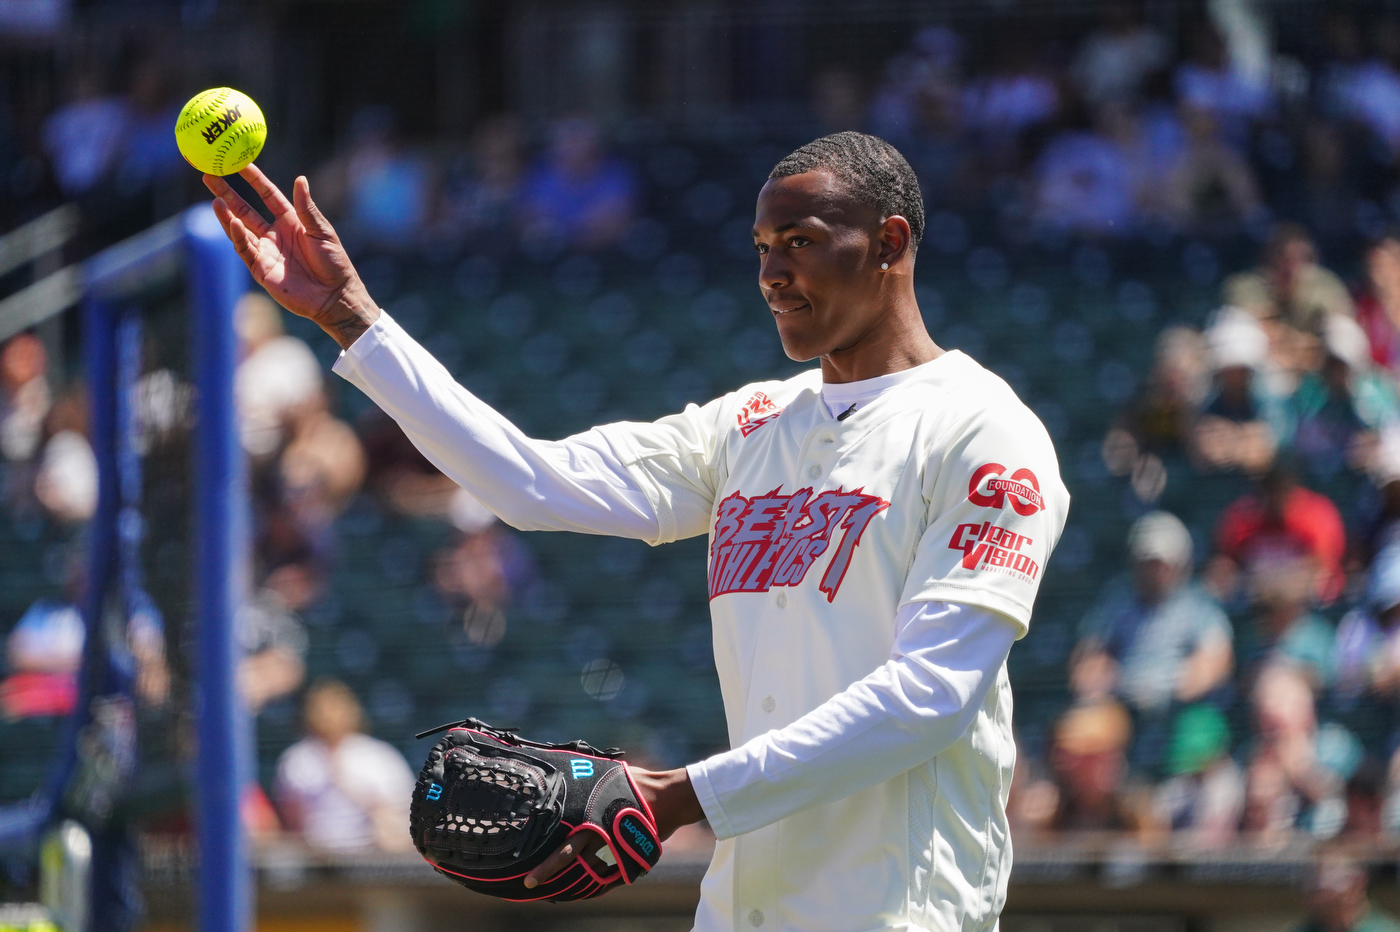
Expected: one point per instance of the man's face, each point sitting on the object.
(819, 263)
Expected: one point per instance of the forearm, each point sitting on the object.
(905, 713)
(573, 485)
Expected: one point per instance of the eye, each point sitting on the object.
(799, 241)
(760, 248)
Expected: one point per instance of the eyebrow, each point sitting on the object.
(791, 224)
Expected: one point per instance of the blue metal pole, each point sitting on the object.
(217, 278)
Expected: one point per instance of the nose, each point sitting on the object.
(773, 273)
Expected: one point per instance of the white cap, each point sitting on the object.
(1346, 340)
(1236, 339)
(1385, 469)
(1160, 535)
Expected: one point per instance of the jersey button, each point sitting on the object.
(768, 704)
(781, 600)
(814, 472)
(756, 918)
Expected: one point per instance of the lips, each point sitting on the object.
(789, 309)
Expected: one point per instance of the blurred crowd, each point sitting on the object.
(1244, 680)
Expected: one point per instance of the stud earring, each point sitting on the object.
(885, 266)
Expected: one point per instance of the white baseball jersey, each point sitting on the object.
(862, 571)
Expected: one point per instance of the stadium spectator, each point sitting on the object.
(1282, 628)
(83, 137)
(1337, 900)
(1155, 642)
(1368, 637)
(24, 396)
(322, 466)
(1381, 522)
(1340, 409)
(1202, 796)
(65, 482)
(1378, 307)
(576, 193)
(274, 645)
(1211, 188)
(1208, 80)
(388, 188)
(1290, 286)
(1115, 59)
(1295, 779)
(1090, 767)
(919, 98)
(1370, 93)
(43, 652)
(1367, 658)
(343, 790)
(277, 377)
(480, 575)
(1012, 96)
(1241, 423)
(1083, 180)
(148, 151)
(1280, 519)
(482, 195)
(1160, 420)
(399, 476)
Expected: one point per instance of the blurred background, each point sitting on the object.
(1170, 226)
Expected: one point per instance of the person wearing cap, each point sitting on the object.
(1337, 898)
(1203, 794)
(1154, 640)
(1339, 407)
(1241, 423)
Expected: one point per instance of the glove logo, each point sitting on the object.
(1022, 490)
(434, 793)
(581, 768)
(639, 838)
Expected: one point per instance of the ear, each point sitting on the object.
(893, 240)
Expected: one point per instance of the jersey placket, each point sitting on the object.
(770, 693)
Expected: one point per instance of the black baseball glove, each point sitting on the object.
(490, 806)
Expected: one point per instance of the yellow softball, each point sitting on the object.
(220, 131)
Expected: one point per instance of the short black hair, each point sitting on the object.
(872, 170)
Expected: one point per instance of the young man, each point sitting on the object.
(878, 529)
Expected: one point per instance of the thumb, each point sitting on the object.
(307, 211)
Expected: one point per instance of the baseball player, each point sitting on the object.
(878, 529)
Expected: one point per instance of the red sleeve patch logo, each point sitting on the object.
(752, 413)
(988, 547)
(991, 489)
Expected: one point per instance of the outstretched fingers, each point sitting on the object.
(233, 201)
(307, 211)
(271, 195)
(244, 242)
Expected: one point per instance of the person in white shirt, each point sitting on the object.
(878, 529)
(340, 788)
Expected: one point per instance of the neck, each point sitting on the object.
(896, 341)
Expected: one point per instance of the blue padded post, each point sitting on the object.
(217, 278)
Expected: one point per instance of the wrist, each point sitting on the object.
(671, 798)
(349, 314)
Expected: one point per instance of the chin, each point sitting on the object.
(799, 351)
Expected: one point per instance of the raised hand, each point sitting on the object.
(297, 257)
